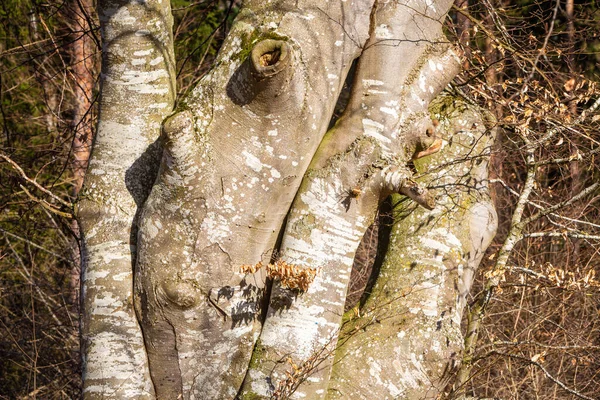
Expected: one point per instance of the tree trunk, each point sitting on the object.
(83, 71)
(367, 151)
(247, 144)
(137, 93)
(83, 66)
(414, 310)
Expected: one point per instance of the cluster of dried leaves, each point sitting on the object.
(534, 66)
(290, 276)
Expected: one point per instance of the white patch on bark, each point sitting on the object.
(422, 81)
(239, 330)
(122, 276)
(216, 227)
(117, 365)
(375, 372)
(383, 32)
(390, 111)
(126, 146)
(394, 179)
(301, 326)
(122, 16)
(434, 244)
(432, 65)
(252, 161)
(375, 130)
(97, 171)
(156, 61)
(371, 82)
(141, 53)
(448, 236)
(306, 254)
(108, 251)
(260, 384)
(431, 4)
(417, 98)
(158, 106)
(109, 305)
(428, 305)
(91, 276)
(142, 81)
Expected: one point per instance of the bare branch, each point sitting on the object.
(33, 182)
(545, 371)
(560, 205)
(562, 234)
(551, 133)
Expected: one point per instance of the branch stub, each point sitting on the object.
(269, 57)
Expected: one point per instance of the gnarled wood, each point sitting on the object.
(137, 94)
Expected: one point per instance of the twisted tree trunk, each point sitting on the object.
(137, 93)
(246, 149)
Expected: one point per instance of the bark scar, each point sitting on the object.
(427, 144)
(399, 179)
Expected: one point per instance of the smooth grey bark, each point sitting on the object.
(234, 155)
(236, 152)
(404, 65)
(414, 311)
(137, 93)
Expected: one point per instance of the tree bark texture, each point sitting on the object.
(366, 152)
(83, 57)
(414, 310)
(137, 93)
(245, 149)
(236, 152)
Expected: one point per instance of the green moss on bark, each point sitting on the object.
(256, 36)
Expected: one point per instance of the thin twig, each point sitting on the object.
(32, 244)
(33, 182)
(45, 204)
(540, 207)
(545, 371)
(560, 205)
(558, 129)
(562, 234)
(538, 344)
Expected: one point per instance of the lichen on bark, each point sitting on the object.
(137, 84)
(414, 310)
(235, 154)
(234, 161)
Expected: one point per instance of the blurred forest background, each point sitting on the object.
(532, 327)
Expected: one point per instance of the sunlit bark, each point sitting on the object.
(137, 94)
(243, 151)
(362, 160)
(235, 155)
(414, 310)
